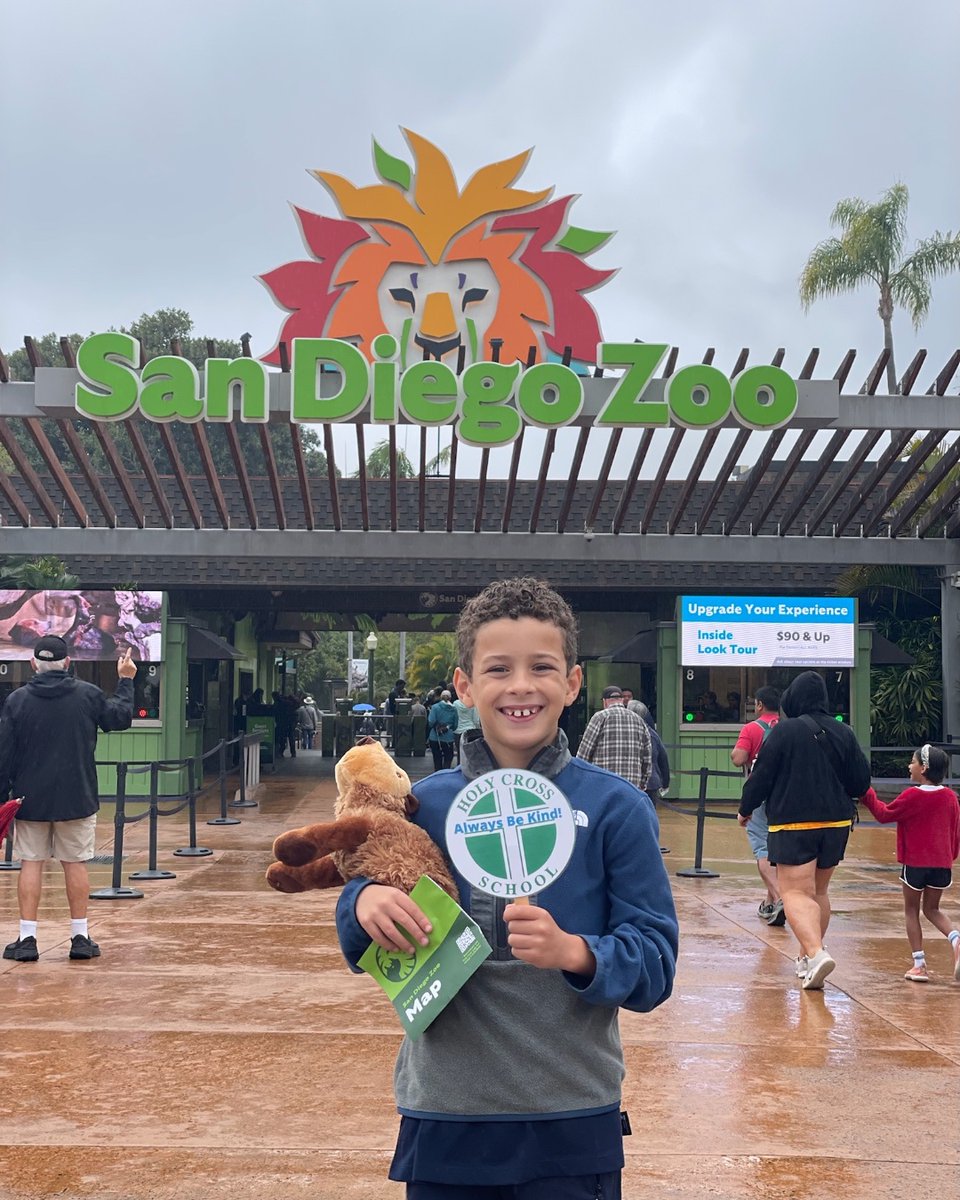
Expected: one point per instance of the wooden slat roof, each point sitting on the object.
(842, 492)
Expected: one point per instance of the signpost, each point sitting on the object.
(510, 833)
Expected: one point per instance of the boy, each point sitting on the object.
(515, 1088)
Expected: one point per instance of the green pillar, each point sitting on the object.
(860, 687)
(174, 689)
(668, 664)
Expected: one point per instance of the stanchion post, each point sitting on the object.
(223, 819)
(240, 800)
(116, 891)
(193, 850)
(151, 872)
(697, 871)
(9, 863)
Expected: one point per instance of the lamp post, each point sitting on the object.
(371, 655)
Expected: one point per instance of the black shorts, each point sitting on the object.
(918, 878)
(795, 847)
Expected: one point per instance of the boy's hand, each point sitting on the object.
(380, 909)
(536, 938)
(742, 821)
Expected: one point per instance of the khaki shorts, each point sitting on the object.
(68, 841)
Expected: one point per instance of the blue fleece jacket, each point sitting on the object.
(519, 1042)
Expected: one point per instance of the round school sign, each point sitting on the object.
(510, 833)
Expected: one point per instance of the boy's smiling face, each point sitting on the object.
(519, 684)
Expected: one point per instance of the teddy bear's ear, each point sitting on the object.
(411, 804)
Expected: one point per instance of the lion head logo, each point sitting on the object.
(457, 275)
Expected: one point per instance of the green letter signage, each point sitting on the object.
(624, 408)
(698, 396)
(428, 393)
(170, 390)
(108, 361)
(488, 404)
(223, 376)
(487, 417)
(550, 395)
(308, 354)
(764, 397)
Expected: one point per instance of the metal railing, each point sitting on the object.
(193, 768)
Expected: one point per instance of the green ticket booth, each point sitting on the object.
(711, 660)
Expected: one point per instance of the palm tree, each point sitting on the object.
(919, 479)
(432, 660)
(870, 249)
(378, 463)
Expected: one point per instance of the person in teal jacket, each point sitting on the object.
(517, 1083)
(442, 723)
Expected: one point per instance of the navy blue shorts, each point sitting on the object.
(918, 878)
(795, 847)
(574, 1187)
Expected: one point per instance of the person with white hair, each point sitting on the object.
(309, 721)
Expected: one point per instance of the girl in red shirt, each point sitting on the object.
(928, 842)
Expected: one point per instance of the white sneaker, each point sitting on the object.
(802, 962)
(818, 968)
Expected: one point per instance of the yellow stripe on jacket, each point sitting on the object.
(809, 825)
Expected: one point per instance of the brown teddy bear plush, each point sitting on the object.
(371, 835)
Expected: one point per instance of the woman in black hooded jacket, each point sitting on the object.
(809, 769)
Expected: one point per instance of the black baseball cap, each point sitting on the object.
(611, 693)
(50, 649)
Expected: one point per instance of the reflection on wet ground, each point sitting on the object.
(220, 1048)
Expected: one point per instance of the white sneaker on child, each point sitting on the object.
(818, 968)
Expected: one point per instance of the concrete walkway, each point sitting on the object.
(221, 1049)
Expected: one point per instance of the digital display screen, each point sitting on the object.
(97, 626)
(767, 631)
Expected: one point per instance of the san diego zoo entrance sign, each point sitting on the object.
(488, 404)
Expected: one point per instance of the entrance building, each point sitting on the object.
(623, 520)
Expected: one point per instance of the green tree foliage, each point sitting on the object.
(430, 657)
(919, 479)
(432, 660)
(156, 332)
(46, 573)
(870, 249)
(378, 463)
(328, 660)
(906, 702)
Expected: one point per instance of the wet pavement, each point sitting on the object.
(220, 1048)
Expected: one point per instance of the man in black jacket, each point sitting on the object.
(810, 769)
(48, 738)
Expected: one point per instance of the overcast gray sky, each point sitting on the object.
(150, 151)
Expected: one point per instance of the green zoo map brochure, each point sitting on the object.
(421, 985)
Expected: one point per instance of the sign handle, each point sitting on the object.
(521, 900)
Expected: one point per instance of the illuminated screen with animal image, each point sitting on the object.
(97, 626)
